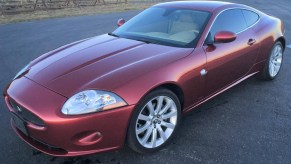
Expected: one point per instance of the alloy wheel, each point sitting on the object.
(156, 122)
(275, 60)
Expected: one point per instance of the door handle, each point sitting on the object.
(251, 41)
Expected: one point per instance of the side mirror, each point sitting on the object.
(120, 22)
(224, 37)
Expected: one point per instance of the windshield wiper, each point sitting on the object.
(112, 34)
(141, 40)
(145, 41)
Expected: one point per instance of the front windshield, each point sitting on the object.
(166, 26)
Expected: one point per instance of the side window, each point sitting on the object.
(230, 20)
(251, 17)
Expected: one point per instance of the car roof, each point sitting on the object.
(210, 6)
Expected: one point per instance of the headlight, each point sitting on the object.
(90, 101)
(21, 71)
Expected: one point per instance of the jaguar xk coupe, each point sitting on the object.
(132, 85)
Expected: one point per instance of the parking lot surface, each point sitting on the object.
(250, 123)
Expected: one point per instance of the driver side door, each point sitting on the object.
(228, 62)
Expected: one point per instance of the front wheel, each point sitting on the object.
(273, 64)
(154, 121)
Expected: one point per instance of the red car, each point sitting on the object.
(132, 85)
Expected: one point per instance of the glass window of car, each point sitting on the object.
(251, 17)
(166, 26)
(229, 20)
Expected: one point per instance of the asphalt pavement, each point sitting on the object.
(250, 123)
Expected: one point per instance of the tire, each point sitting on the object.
(273, 64)
(149, 130)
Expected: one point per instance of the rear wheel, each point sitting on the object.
(274, 63)
(154, 121)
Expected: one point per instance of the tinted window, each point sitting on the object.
(167, 26)
(229, 20)
(251, 17)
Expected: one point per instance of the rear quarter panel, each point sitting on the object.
(269, 30)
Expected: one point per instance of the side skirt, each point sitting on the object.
(217, 93)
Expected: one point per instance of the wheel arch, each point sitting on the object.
(172, 86)
(283, 41)
(177, 90)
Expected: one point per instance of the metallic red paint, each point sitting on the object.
(120, 22)
(224, 37)
(135, 69)
(73, 134)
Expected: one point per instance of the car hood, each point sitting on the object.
(103, 62)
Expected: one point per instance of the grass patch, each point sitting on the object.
(76, 11)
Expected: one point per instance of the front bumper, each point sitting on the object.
(63, 135)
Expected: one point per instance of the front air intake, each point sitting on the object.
(25, 114)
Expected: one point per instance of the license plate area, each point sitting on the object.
(20, 124)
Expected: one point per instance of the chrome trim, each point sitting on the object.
(233, 8)
(18, 108)
(203, 72)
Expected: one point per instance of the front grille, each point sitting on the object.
(25, 114)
